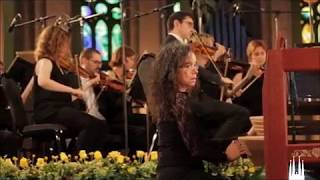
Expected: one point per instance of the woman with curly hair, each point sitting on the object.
(53, 92)
(182, 143)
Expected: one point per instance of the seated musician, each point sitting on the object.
(53, 93)
(251, 98)
(111, 103)
(130, 62)
(90, 60)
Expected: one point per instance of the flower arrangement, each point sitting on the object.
(240, 169)
(91, 165)
(114, 166)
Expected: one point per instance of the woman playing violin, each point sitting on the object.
(130, 62)
(52, 90)
(251, 97)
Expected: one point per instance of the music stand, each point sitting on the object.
(22, 67)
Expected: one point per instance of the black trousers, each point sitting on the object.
(227, 120)
(92, 132)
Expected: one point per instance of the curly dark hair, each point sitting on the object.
(164, 83)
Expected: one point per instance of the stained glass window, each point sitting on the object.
(310, 9)
(103, 32)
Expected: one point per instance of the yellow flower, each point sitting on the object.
(8, 162)
(97, 155)
(23, 163)
(154, 155)
(113, 154)
(40, 162)
(127, 159)
(64, 157)
(83, 155)
(120, 159)
(252, 169)
(132, 170)
(140, 154)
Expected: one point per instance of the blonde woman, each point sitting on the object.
(251, 97)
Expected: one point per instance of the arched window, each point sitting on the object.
(104, 32)
(310, 9)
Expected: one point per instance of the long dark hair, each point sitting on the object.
(164, 84)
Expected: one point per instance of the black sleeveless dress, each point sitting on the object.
(56, 107)
(47, 103)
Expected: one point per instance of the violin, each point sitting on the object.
(105, 80)
(203, 50)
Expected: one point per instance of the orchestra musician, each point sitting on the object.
(220, 116)
(182, 143)
(90, 60)
(53, 93)
(251, 95)
(111, 102)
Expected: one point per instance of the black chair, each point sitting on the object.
(50, 135)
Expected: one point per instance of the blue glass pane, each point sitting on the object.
(102, 38)
(112, 1)
(116, 37)
(116, 13)
(85, 11)
(87, 36)
(101, 8)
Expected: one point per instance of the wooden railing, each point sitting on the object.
(277, 150)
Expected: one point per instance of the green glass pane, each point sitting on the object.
(116, 13)
(101, 38)
(112, 1)
(177, 7)
(116, 37)
(101, 8)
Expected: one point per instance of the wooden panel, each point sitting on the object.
(275, 91)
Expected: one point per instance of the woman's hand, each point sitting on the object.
(77, 92)
(236, 149)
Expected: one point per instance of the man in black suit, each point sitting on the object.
(232, 120)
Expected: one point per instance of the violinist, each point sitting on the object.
(130, 62)
(217, 52)
(90, 60)
(251, 95)
(52, 90)
(111, 102)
